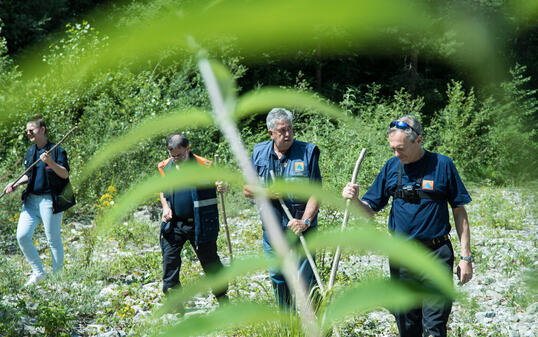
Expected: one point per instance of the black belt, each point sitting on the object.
(183, 220)
(436, 241)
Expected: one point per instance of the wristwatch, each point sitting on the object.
(306, 222)
(469, 258)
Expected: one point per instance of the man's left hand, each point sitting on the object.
(297, 226)
(221, 186)
(464, 271)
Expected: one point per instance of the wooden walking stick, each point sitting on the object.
(336, 260)
(224, 219)
(39, 159)
(303, 242)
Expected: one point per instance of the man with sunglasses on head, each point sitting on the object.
(189, 214)
(422, 184)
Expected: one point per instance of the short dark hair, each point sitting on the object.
(175, 140)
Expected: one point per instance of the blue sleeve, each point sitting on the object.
(377, 195)
(315, 173)
(28, 160)
(62, 159)
(457, 193)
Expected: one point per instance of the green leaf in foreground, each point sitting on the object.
(227, 317)
(401, 251)
(239, 267)
(368, 296)
(189, 175)
(163, 124)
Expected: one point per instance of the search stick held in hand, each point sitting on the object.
(337, 254)
(303, 242)
(38, 160)
(224, 219)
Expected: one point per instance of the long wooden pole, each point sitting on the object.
(226, 124)
(224, 218)
(337, 254)
(303, 242)
(38, 160)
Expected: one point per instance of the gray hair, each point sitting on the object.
(175, 140)
(411, 133)
(278, 114)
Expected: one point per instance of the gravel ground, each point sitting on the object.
(496, 302)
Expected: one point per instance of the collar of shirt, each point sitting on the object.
(278, 162)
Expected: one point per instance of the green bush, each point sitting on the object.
(492, 137)
(461, 131)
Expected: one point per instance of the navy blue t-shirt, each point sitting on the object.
(429, 219)
(183, 204)
(40, 185)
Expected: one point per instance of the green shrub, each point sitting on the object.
(461, 131)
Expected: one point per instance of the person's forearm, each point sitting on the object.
(164, 203)
(462, 228)
(22, 181)
(311, 209)
(59, 170)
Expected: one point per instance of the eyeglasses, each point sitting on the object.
(33, 131)
(178, 154)
(401, 125)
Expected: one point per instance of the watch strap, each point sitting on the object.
(469, 258)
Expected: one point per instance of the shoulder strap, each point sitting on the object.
(399, 186)
(419, 178)
(423, 169)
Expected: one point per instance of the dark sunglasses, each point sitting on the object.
(401, 125)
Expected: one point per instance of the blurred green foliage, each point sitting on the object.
(490, 132)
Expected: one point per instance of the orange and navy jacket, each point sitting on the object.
(206, 214)
(201, 160)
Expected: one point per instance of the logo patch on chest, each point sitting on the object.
(299, 166)
(427, 185)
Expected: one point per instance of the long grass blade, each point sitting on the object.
(164, 124)
(227, 317)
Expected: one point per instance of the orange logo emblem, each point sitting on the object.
(427, 185)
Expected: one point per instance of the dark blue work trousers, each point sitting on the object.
(431, 318)
(172, 240)
(283, 296)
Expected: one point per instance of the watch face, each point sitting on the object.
(307, 222)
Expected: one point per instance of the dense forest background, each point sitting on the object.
(488, 126)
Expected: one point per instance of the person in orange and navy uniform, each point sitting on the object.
(189, 214)
(422, 184)
(290, 160)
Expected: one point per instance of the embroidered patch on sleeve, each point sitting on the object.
(427, 185)
(299, 166)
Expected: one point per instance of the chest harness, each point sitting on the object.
(413, 193)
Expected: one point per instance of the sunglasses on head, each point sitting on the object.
(401, 125)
